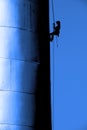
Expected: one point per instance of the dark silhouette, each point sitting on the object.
(56, 30)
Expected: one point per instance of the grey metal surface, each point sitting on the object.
(21, 13)
(16, 75)
(18, 44)
(19, 64)
(17, 108)
(16, 13)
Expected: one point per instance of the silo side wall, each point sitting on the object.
(19, 62)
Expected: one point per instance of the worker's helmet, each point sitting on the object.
(58, 22)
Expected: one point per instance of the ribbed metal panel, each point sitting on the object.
(19, 62)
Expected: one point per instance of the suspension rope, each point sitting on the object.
(53, 79)
(53, 11)
(53, 61)
(53, 67)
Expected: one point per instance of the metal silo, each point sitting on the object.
(24, 65)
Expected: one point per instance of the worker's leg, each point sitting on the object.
(51, 36)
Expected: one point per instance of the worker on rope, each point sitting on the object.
(56, 30)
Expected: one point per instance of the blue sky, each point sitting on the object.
(70, 73)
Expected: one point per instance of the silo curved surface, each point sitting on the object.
(19, 62)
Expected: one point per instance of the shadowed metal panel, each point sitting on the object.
(28, 79)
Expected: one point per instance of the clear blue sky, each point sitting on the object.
(70, 74)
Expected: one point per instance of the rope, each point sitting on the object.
(53, 11)
(53, 80)
(53, 61)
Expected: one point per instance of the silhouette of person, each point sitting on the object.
(56, 30)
